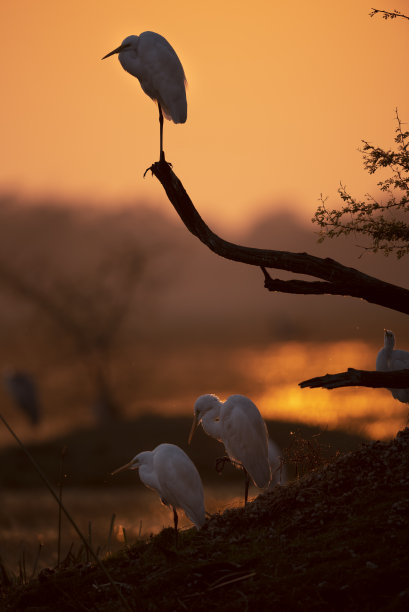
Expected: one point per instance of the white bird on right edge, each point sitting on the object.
(237, 423)
(390, 360)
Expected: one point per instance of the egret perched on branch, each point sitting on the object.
(237, 423)
(390, 360)
(171, 473)
(153, 61)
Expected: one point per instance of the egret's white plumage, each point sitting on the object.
(237, 423)
(390, 359)
(153, 61)
(172, 474)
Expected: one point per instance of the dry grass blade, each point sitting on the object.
(67, 514)
(22, 567)
(33, 573)
(230, 581)
(111, 530)
(60, 489)
(125, 536)
(4, 576)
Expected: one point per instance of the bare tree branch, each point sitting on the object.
(359, 378)
(339, 279)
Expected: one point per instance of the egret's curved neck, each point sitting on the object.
(389, 343)
(211, 422)
(148, 476)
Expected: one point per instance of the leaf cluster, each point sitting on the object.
(382, 220)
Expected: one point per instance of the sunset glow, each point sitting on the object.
(279, 94)
(115, 318)
(277, 371)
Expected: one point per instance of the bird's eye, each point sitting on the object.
(216, 419)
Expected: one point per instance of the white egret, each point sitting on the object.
(237, 423)
(153, 61)
(389, 360)
(172, 474)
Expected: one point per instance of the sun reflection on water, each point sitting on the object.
(276, 372)
(268, 375)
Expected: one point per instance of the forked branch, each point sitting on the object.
(336, 279)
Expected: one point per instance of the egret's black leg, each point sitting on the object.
(162, 154)
(246, 486)
(220, 463)
(175, 520)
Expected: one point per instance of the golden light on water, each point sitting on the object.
(278, 370)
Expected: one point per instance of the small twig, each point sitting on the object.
(22, 566)
(388, 14)
(125, 536)
(40, 546)
(111, 529)
(89, 538)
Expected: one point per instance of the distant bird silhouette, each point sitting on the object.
(151, 59)
(23, 391)
(389, 360)
(172, 474)
(237, 423)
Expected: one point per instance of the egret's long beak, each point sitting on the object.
(127, 466)
(195, 425)
(117, 50)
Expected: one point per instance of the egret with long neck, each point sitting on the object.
(172, 474)
(153, 61)
(237, 423)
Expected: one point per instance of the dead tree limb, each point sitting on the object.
(336, 279)
(359, 378)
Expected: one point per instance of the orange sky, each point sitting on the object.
(280, 95)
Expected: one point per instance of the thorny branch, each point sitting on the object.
(387, 14)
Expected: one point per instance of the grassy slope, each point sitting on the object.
(337, 539)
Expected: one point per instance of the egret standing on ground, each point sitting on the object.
(153, 61)
(237, 423)
(389, 360)
(171, 473)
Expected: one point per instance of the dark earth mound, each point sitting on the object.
(337, 539)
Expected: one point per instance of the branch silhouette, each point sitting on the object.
(398, 379)
(336, 279)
